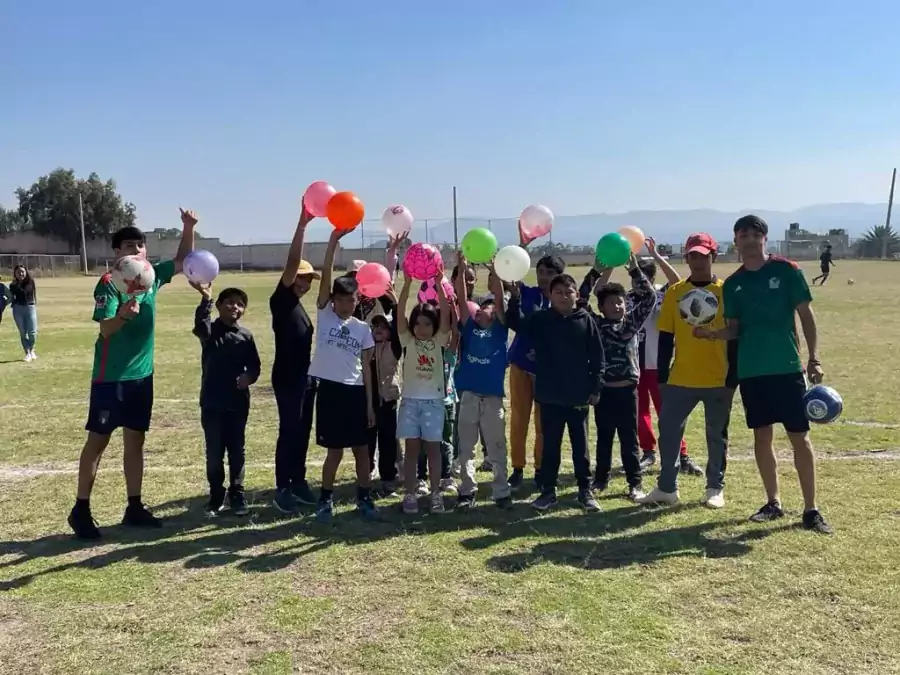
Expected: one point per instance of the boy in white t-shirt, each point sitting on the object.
(420, 419)
(344, 400)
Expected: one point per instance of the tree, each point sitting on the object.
(50, 206)
(872, 244)
(11, 222)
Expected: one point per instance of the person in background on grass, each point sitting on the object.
(421, 416)
(702, 372)
(294, 389)
(5, 298)
(762, 299)
(522, 368)
(24, 309)
(386, 374)
(229, 366)
(345, 397)
(568, 355)
(480, 381)
(617, 411)
(122, 379)
(826, 262)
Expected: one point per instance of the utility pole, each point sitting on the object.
(455, 226)
(84, 265)
(887, 220)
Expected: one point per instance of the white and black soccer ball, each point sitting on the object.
(850, 282)
(698, 307)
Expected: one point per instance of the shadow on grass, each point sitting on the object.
(267, 541)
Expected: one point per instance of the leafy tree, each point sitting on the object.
(50, 206)
(11, 222)
(872, 244)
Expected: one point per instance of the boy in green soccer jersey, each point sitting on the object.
(761, 301)
(122, 379)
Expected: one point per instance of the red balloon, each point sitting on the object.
(345, 211)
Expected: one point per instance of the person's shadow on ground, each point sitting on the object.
(589, 541)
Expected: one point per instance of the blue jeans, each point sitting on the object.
(25, 317)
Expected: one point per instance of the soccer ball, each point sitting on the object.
(698, 307)
(850, 282)
(822, 404)
(132, 275)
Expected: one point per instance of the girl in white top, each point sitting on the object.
(420, 419)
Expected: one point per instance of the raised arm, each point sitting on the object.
(515, 318)
(392, 253)
(443, 302)
(202, 321)
(401, 318)
(186, 246)
(460, 284)
(643, 296)
(671, 273)
(328, 268)
(295, 252)
(496, 288)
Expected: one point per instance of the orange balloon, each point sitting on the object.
(635, 237)
(345, 211)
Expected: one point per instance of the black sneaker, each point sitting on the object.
(599, 485)
(284, 501)
(515, 479)
(238, 504)
(545, 501)
(504, 503)
(813, 520)
(587, 501)
(388, 490)
(485, 467)
(689, 467)
(771, 511)
(139, 516)
(464, 502)
(83, 524)
(648, 459)
(215, 504)
(303, 494)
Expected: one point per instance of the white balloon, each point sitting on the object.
(537, 216)
(512, 263)
(201, 267)
(397, 219)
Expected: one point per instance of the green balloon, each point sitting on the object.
(479, 245)
(613, 250)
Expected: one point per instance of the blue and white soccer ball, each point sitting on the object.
(698, 307)
(823, 405)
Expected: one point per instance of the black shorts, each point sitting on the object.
(825, 270)
(127, 404)
(342, 419)
(775, 399)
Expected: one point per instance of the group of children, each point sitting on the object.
(435, 379)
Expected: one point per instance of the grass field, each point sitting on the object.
(629, 590)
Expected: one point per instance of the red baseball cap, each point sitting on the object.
(701, 243)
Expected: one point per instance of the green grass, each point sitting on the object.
(630, 590)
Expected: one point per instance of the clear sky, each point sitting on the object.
(232, 107)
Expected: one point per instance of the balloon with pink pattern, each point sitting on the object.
(422, 262)
(428, 291)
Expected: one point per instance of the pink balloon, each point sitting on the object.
(536, 221)
(428, 291)
(316, 198)
(422, 262)
(373, 279)
(473, 308)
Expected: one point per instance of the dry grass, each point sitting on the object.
(629, 590)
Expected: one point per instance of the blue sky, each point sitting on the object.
(232, 108)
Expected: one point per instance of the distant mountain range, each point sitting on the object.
(674, 226)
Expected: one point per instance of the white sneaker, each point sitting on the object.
(714, 498)
(28, 357)
(437, 504)
(33, 355)
(657, 496)
(410, 505)
(423, 489)
(448, 486)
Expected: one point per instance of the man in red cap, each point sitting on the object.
(700, 373)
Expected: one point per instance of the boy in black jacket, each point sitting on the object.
(230, 364)
(569, 375)
(617, 411)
